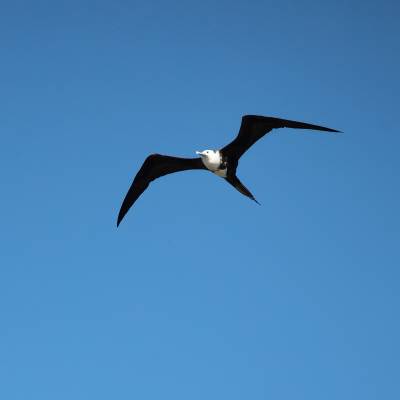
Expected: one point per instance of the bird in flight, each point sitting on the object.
(221, 162)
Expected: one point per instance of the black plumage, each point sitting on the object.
(252, 128)
(154, 166)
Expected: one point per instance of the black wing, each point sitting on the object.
(154, 166)
(254, 127)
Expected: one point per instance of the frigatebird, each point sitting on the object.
(221, 162)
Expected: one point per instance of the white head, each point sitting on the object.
(206, 153)
(211, 158)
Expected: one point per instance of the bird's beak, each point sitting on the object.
(199, 152)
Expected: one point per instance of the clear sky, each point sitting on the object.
(200, 293)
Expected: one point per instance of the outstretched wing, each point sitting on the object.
(254, 127)
(154, 166)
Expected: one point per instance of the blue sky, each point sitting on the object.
(200, 293)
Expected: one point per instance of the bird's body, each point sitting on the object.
(213, 161)
(222, 163)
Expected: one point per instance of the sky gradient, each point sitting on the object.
(200, 293)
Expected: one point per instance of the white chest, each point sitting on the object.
(212, 162)
(220, 172)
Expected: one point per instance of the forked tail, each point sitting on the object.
(235, 182)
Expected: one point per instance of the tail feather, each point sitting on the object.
(235, 182)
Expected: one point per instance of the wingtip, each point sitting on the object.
(121, 216)
(119, 220)
(323, 128)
